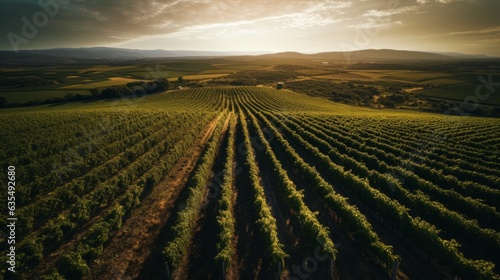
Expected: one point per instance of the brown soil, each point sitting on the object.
(299, 250)
(200, 263)
(124, 257)
(410, 90)
(193, 254)
(74, 237)
(249, 251)
(302, 262)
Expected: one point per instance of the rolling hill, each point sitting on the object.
(67, 55)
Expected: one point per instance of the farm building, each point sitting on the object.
(279, 86)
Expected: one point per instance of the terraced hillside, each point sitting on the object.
(250, 182)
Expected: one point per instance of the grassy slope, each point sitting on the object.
(291, 102)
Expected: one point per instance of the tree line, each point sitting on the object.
(130, 90)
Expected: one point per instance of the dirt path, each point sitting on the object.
(184, 268)
(200, 264)
(289, 229)
(410, 90)
(299, 251)
(73, 238)
(248, 248)
(132, 244)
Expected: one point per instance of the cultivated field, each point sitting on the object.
(460, 92)
(41, 83)
(437, 82)
(250, 182)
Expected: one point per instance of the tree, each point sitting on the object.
(3, 102)
(163, 84)
(95, 92)
(387, 102)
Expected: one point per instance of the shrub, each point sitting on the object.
(72, 266)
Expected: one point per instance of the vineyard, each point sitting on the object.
(249, 183)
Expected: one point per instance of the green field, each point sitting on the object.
(81, 78)
(250, 182)
(112, 81)
(201, 76)
(39, 95)
(443, 84)
(463, 93)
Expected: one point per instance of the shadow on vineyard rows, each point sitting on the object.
(252, 183)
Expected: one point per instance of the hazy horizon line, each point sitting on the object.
(260, 52)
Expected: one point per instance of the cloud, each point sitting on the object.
(182, 22)
(295, 19)
(390, 12)
(479, 38)
(99, 21)
(382, 19)
(445, 1)
(488, 30)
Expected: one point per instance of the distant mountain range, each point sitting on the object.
(379, 55)
(117, 53)
(68, 55)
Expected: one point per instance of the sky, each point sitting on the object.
(308, 26)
